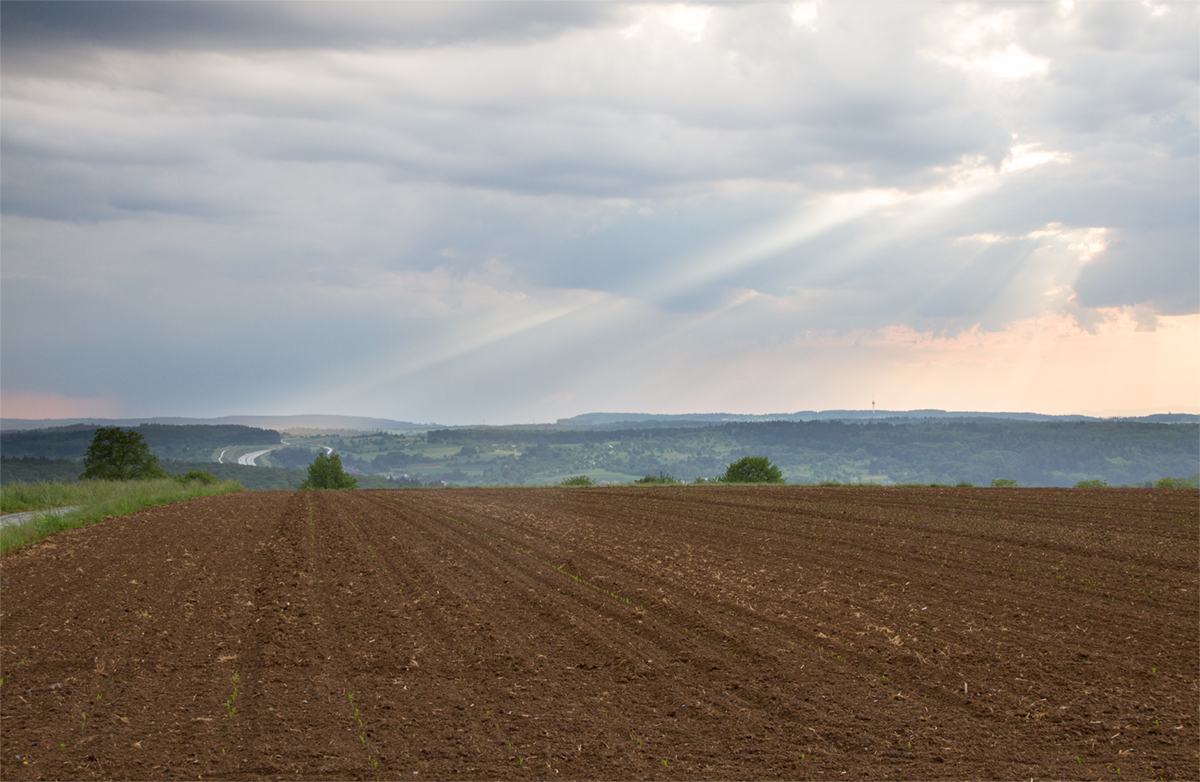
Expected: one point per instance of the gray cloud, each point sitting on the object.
(258, 26)
(1145, 268)
(409, 174)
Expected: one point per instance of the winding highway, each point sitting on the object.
(249, 458)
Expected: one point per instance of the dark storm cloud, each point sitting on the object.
(258, 26)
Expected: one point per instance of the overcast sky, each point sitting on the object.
(514, 212)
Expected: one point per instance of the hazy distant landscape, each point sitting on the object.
(885, 447)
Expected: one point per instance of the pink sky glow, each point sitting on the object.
(37, 406)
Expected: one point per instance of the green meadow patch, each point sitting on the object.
(98, 500)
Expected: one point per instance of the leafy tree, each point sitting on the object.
(1095, 483)
(119, 455)
(752, 469)
(578, 480)
(1004, 483)
(326, 472)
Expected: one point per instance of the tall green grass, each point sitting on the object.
(99, 500)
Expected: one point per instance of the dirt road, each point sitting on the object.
(17, 518)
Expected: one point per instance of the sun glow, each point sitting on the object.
(1024, 156)
(903, 212)
(804, 15)
(983, 45)
(35, 406)
(688, 20)
(1051, 363)
(486, 320)
(1013, 63)
(802, 226)
(1087, 243)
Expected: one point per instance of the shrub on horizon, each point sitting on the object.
(326, 472)
(752, 469)
(662, 479)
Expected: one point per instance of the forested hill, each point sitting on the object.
(184, 443)
(1032, 453)
(654, 420)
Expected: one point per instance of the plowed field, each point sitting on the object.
(611, 633)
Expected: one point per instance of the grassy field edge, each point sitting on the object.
(99, 500)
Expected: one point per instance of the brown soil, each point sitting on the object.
(611, 633)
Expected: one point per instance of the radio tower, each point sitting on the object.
(872, 407)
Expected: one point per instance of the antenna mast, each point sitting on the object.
(872, 407)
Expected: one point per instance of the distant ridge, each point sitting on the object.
(277, 422)
(633, 420)
(308, 423)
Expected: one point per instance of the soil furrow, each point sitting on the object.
(799, 633)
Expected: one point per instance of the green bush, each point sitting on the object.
(1004, 483)
(326, 472)
(663, 479)
(1174, 483)
(1095, 483)
(578, 480)
(118, 455)
(752, 469)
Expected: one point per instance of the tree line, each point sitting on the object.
(1032, 453)
(186, 442)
